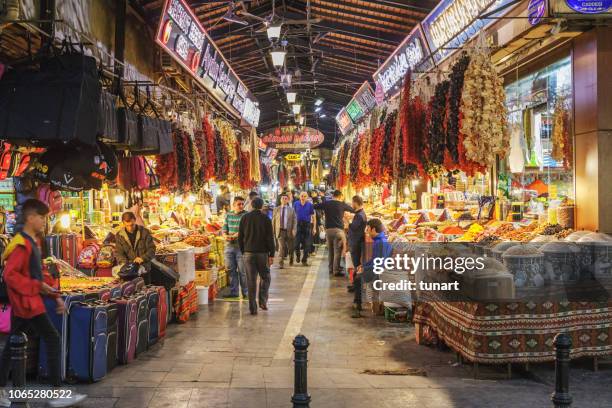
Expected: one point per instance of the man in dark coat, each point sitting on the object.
(134, 243)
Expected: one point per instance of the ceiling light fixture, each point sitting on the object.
(319, 102)
(291, 96)
(318, 109)
(323, 116)
(278, 57)
(274, 31)
(301, 121)
(296, 108)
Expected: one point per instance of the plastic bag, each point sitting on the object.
(321, 234)
(348, 261)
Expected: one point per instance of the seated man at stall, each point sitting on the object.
(134, 243)
(380, 249)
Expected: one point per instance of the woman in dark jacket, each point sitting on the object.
(134, 243)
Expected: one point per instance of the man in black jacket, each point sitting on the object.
(256, 242)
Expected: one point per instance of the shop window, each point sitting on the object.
(538, 174)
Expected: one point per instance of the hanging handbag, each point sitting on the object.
(154, 183)
(107, 118)
(127, 128)
(166, 145)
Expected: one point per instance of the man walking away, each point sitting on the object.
(284, 224)
(24, 283)
(247, 205)
(233, 255)
(356, 232)
(380, 249)
(305, 214)
(257, 246)
(334, 210)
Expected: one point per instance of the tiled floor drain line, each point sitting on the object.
(294, 325)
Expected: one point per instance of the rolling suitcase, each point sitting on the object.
(54, 245)
(172, 296)
(128, 288)
(115, 292)
(88, 339)
(163, 310)
(70, 248)
(112, 311)
(60, 322)
(142, 341)
(153, 302)
(127, 334)
(104, 294)
(139, 284)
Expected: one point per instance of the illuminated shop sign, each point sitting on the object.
(344, 121)
(454, 22)
(183, 37)
(589, 7)
(293, 138)
(410, 55)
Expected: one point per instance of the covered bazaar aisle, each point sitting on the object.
(227, 358)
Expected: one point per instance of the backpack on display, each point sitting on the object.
(152, 178)
(4, 241)
(53, 198)
(106, 257)
(88, 256)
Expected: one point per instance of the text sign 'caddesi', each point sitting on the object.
(183, 37)
(293, 138)
(411, 54)
(453, 22)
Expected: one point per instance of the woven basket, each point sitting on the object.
(565, 216)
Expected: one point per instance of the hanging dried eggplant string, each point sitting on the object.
(454, 99)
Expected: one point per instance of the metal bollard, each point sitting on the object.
(18, 344)
(561, 397)
(300, 397)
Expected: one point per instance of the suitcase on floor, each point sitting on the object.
(142, 338)
(127, 333)
(88, 339)
(172, 296)
(153, 302)
(128, 288)
(115, 292)
(60, 322)
(139, 284)
(111, 332)
(163, 310)
(104, 294)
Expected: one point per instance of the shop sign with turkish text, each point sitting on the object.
(581, 8)
(182, 35)
(344, 121)
(412, 54)
(454, 22)
(293, 138)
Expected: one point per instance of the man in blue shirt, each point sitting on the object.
(356, 233)
(380, 249)
(305, 213)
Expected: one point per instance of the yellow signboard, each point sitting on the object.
(293, 157)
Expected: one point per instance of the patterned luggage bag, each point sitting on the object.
(112, 335)
(60, 322)
(128, 288)
(88, 340)
(139, 284)
(142, 324)
(153, 303)
(163, 310)
(127, 333)
(70, 248)
(54, 245)
(182, 305)
(115, 292)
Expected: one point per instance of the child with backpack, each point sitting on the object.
(23, 276)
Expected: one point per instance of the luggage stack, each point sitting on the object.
(106, 327)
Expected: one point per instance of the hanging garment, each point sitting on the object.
(537, 153)
(254, 153)
(516, 159)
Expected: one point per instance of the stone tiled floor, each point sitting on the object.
(227, 358)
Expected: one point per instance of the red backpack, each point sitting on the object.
(132, 173)
(89, 256)
(53, 198)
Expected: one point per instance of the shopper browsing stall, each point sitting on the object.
(25, 287)
(356, 232)
(305, 214)
(256, 242)
(233, 255)
(222, 201)
(380, 249)
(134, 243)
(334, 210)
(247, 205)
(284, 223)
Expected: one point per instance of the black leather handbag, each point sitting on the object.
(107, 118)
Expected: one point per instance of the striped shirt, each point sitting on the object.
(232, 222)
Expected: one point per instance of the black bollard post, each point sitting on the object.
(18, 344)
(300, 397)
(561, 398)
